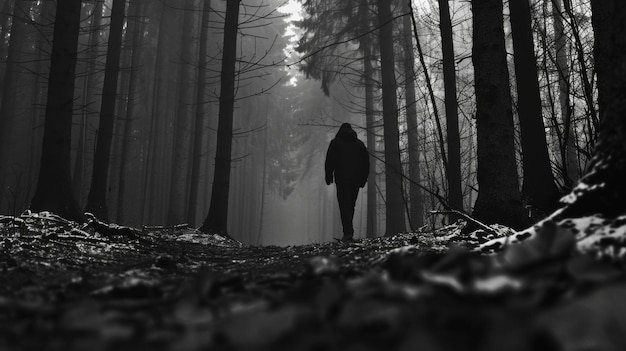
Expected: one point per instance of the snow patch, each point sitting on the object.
(579, 190)
(602, 237)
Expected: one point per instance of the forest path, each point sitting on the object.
(67, 287)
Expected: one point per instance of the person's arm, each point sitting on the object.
(329, 165)
(365, 162)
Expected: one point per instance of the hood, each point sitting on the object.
(346, 132)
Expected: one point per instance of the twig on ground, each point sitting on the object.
(469, 218)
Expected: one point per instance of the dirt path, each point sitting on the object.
(70, 287)
(63, 286)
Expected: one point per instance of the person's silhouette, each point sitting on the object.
(347, 162)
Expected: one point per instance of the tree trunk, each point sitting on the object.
(200, 118)
(416, 205)
(217, 218)
(97, 198)
(259, 229)
(395, 221)
(144, 111)
(16, 111)
(86, 136)
(539, 189)
(164, 107)
(42, 48)
(602, 20)
(54, 189)
(11, 114)
(499, 198)
(368, 77)
(179, 194)
(5, 16)
(130, 145)
(151, 142)
(16, 46)
(602, 190)
(455, 194)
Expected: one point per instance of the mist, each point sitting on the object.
(148, 108)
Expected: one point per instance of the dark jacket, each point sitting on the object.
(347, 158)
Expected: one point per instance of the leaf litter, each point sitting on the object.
(99, 286)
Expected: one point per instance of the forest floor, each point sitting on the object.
(64, 286)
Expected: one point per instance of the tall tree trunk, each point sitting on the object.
(16, 110)
(539, 189)
(455, 194)
(602, 189)
(499, 198)
(602, 21)
(42, 48)
(368, 77)
(259, 234)
(5, 15)
(129, 149)
(395, 222)
(164, 105)
(86, 138)
(12, 91)
(200, 117)
(416, 205)
(179, 194)
(54, 189)
(217, 218)
(150, 64)
(97, 198)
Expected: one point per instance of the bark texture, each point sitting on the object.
(538, 189)
(217, 218)
(97, 198)
(395, 222)
(602, 190)
(455, 195)
(499, 198)
(54, 189)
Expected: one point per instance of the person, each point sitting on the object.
(347, 163)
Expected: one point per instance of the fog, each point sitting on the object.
(297, 77)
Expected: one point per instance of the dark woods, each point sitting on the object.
(199, 111)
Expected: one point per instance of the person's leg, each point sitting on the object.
(347, 195)
(344, 197)
(354, 193)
